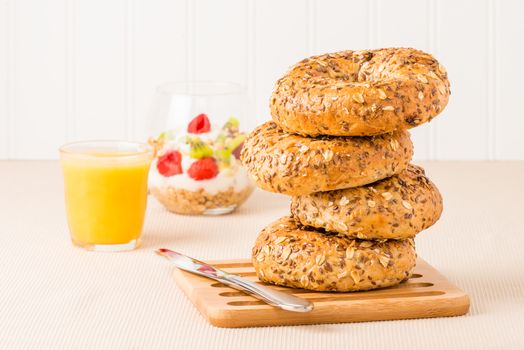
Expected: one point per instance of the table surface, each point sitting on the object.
(54, 295)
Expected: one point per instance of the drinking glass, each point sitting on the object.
(197, 129)
(105, 186)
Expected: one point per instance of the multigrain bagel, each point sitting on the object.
(297, 165)
(288, 255)
(394, 208)
(359, 93)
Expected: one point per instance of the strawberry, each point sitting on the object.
(203, 169)
(170, 163)
(199, 125)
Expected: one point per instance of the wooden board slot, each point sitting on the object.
(426, 294)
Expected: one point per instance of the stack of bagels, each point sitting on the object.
(339, 146)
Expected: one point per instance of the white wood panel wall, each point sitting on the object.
(79, 69)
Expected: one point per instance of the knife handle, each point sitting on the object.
(273, 297)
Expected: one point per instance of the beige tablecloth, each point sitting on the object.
(53, 295)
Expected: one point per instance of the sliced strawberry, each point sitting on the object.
(170, 163)
(203, 169)
(199, 125)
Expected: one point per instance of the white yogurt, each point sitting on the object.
(234, 176)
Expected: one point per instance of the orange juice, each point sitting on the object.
(106, 194)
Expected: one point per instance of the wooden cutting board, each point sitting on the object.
(426, 294)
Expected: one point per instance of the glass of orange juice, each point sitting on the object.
(106, 192)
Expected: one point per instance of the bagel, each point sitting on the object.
(288, 255)
(360, 93)
(297, 165)
(394, 208)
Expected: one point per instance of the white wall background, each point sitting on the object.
(84, 69)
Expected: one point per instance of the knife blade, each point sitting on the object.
(273, 297)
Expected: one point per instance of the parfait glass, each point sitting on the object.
(197, 130)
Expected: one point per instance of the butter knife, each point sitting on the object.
(273, 297)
